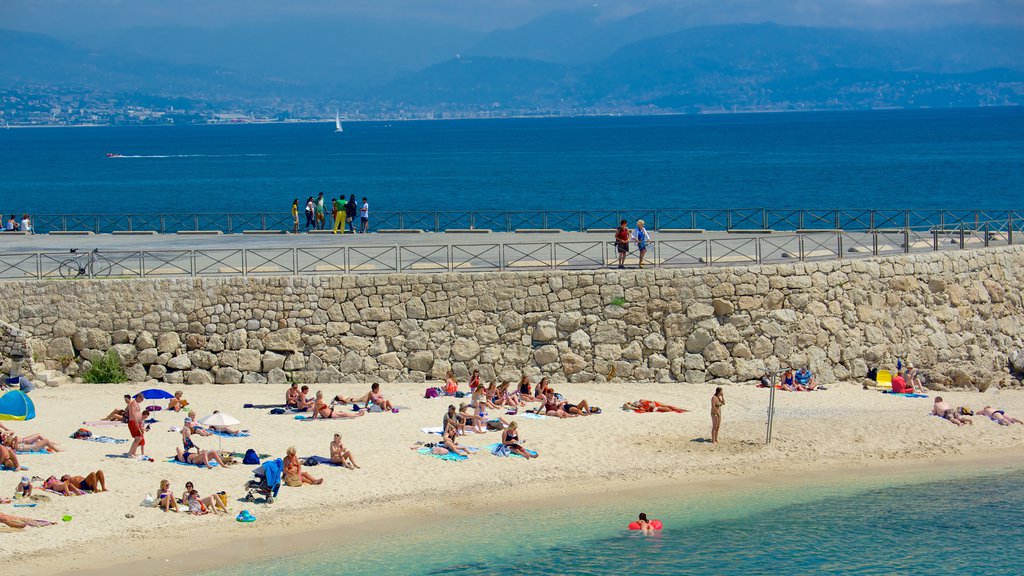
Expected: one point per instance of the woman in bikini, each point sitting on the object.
(293, 474)
(524, 390)
(92, 482)
(65, 488)
(580, 409)
(552, 406)
(376, 398)
(451, 385)
(165, 498)
(476, 423)
(341, 455)
(540, 390)
(717, 401)
(998, 416)
(212, 502)
(481, 400)
(177, 403)
(322, 410)
(510, 441)
(9, 458)
(451, 444)
(33, 443)
(645, 406)
(505, 397)
(200, 458)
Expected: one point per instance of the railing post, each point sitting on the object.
(544, 219)
(977, 220)
(472, 220)
(935, 239)
(728, 220)
(229, 223)
(398, 258)
(437, 222)
(64, 223)
(1009, 228)
(195, 222)
(551, 254)
(874, 241)
(800, 219)
(800, 247)
(129, 222)
(401, 220)
(906, 240)
(96, 227)
(693, 219)
(942, 219)
(871, 220)
(961, 235)
(906, 218)
(839, 224)
(142, 264)
(263, 221)
(583, 221)
(986, 234)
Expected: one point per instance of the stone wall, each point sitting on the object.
(961, 310)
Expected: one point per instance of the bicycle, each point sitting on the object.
(90, 265)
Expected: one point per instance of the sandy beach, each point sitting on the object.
(840, 430)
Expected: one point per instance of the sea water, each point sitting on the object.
(915, 159)
(908, 525)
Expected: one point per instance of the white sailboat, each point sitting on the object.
(337, 122)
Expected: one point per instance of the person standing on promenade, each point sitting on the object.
(622, 243)
(26, 224)
(350, 213)
(364, 216)
(717, 401)
(309, 212)
(641, 236)
(136, 425)
(339, 214)
(319, 207)
(295, 216)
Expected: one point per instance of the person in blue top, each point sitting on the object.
(641, 236)
(805, 378)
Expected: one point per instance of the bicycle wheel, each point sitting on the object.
(101, 267)
(69, 269)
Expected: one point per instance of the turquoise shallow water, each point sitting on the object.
(897, 526)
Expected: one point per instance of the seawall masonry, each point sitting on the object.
(957, 314)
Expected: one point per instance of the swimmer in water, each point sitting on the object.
(645, 525)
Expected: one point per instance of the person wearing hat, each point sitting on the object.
(914, 379)
(25, 487)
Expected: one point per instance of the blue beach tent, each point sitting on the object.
(16, 405)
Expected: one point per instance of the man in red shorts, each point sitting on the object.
(136, 425)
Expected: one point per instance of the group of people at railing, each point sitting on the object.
(336, 213)
(15, 225)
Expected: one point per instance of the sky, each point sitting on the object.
(75, 18)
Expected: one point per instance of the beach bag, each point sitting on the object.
(277, 411)
(251, 457)
(82, 434)
(292, 480)
(460, 394)
(495, 425)
(223, 496)
(430, 393)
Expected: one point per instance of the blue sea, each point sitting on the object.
(916, 159)
(967, 524)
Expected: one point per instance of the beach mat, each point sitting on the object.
(891, 393)
(532, 416)
(180, 463)
(103, 423)
(104, 440)
(450, 457)
(264, 406)
(323, 460)
(493, 449)
(34, 452)
(226, 435)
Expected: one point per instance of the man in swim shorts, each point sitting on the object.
(136, 425)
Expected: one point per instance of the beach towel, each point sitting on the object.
(451, 456)
(99, 423)
(500, 449)
(180, 463)
(532, 416)
(105, 440)
(323, 460)
(891, 393)
(34, 452)
(264, 406)
(437, 430)
(226, 435)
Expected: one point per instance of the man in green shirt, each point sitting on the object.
(339, 216)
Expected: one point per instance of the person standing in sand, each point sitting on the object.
(717, 401)
(136, 425)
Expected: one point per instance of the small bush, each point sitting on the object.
(620, 302)
(106, 370)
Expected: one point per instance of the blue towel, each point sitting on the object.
(322, 460)
(106, 440)
(35, 452)
(500, 449)
(532, 416)
(451, 456)
(180, 463)
(226, 435)
(272, 471)
(891, 393)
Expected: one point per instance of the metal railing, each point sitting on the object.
(506, 256)
(566, 220)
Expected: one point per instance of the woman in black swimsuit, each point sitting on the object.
(510, 440)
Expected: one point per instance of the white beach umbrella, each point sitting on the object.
(219, 419)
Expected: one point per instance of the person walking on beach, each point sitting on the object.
(622, 243)
(309, 213)
(339, 215)
(641, 236)
(319, 208)
(717, 401)
(350, 213)
(295, 216)
(364, 216)
(136, 424)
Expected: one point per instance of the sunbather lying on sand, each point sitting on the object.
(33, 443)
(341, 455)
(93, 481)
(552, 406)
(941, 408)
(582, 408)
(62, 487)
(998, 416)
(643, 406)
(201, 458)
(19, 522)
(322, 410)
(177, 403)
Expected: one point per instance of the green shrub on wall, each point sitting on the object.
(106, 370)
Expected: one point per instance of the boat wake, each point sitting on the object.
(112, 155)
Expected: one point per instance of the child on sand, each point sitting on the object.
(24, 489)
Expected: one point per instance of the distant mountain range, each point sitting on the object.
(563, 61)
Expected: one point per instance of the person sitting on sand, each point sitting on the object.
(200, 458)
(470, 417)
(322, 410)
(340, 455)
(524, 390)
(62, 487)
(33, 443)
(941, 408)
(291, 396)
(293, 474)
(552, 406)
(510, 441)
(19, 522)
(212, 502)
(24, 489)
(451, 444)
(377, 399)
(303, 403)
(92, 482)
(453, 418)
(788, 382)
(900, 384)
(119, 414)
(998, 416)
(195, 505)
(165, 498)
(914, 378)
(177, 403)
(540, 390)
(474, 380)
(9, 458)
(492, 393)
(805, 379)
(451, 385)
(505, 397)
(481, 400)
(647, 406)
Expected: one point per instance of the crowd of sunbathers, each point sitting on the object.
(190, 500)
(297, 399)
